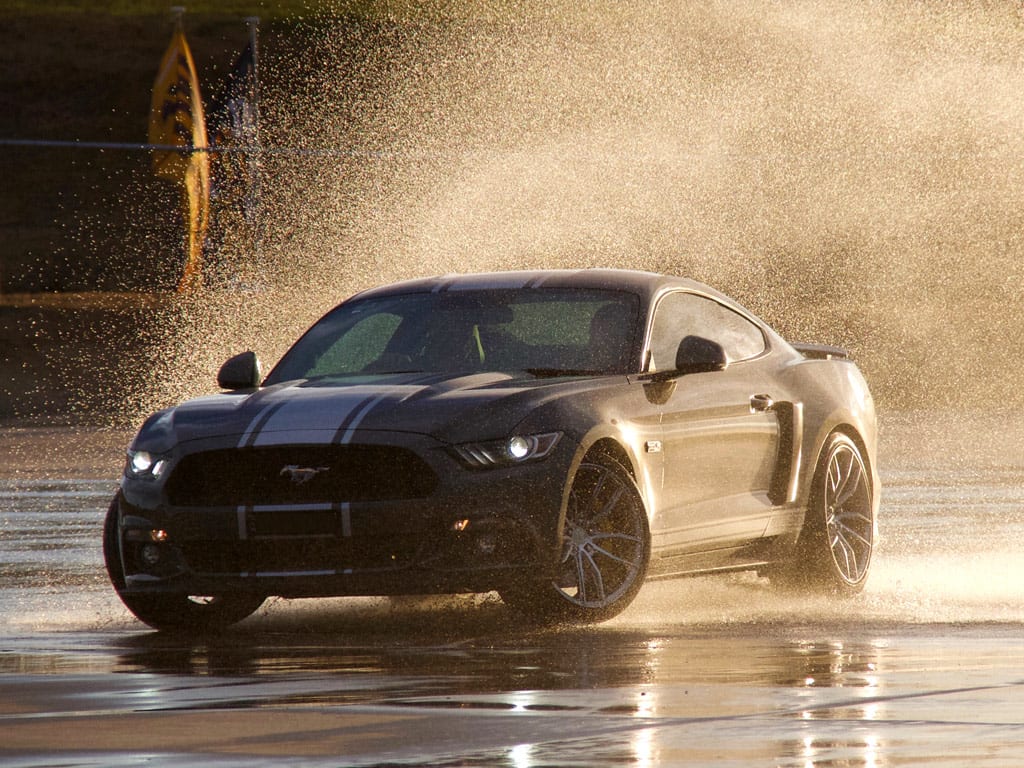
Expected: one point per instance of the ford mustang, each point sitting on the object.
(555, 436)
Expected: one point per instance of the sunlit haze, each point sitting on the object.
(849, 172)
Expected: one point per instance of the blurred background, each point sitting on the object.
(852, 173)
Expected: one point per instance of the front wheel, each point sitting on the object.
(834, 550)
(604, 554)
(176, 613)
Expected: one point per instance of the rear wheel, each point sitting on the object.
(835, 547)
(192, 613)
(604, 553)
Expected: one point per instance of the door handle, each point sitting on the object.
(761, 403)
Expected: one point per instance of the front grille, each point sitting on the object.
(299, 475)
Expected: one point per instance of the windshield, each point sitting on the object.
(542, 331)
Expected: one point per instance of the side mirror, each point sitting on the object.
(240, 372)
(699, 355)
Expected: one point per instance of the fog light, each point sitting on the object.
(158, 536)
(151, 554)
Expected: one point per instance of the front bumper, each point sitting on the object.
(476, 530)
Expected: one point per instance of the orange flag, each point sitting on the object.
(176, 119)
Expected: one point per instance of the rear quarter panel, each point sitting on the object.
(835, 397)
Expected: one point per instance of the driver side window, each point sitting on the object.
(681, 314)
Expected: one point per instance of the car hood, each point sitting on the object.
(449, 408)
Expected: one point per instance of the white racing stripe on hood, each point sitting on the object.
(313, 416)
(302, 418)
(354, 424)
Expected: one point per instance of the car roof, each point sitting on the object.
(644, 284)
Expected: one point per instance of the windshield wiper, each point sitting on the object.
(355, 375)
(549, 373)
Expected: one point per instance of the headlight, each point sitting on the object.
(144, 464)
(513, 450)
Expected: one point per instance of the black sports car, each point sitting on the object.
(557, 436)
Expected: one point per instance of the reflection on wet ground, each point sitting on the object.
(460, 685)
(925, 667)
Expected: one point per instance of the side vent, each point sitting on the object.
(787, 463)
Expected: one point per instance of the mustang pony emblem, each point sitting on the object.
(301, 475)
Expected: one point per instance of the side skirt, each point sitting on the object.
(750, 556)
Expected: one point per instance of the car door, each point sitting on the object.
(719, 431)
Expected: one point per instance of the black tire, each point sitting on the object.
(606, 545)
(174, 613)
(833, 553)
(112, 548)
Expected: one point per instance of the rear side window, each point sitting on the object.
(683, 314)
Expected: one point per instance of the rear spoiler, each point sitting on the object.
(822, 351)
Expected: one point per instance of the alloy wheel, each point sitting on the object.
(604, 544)
(849, 526)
